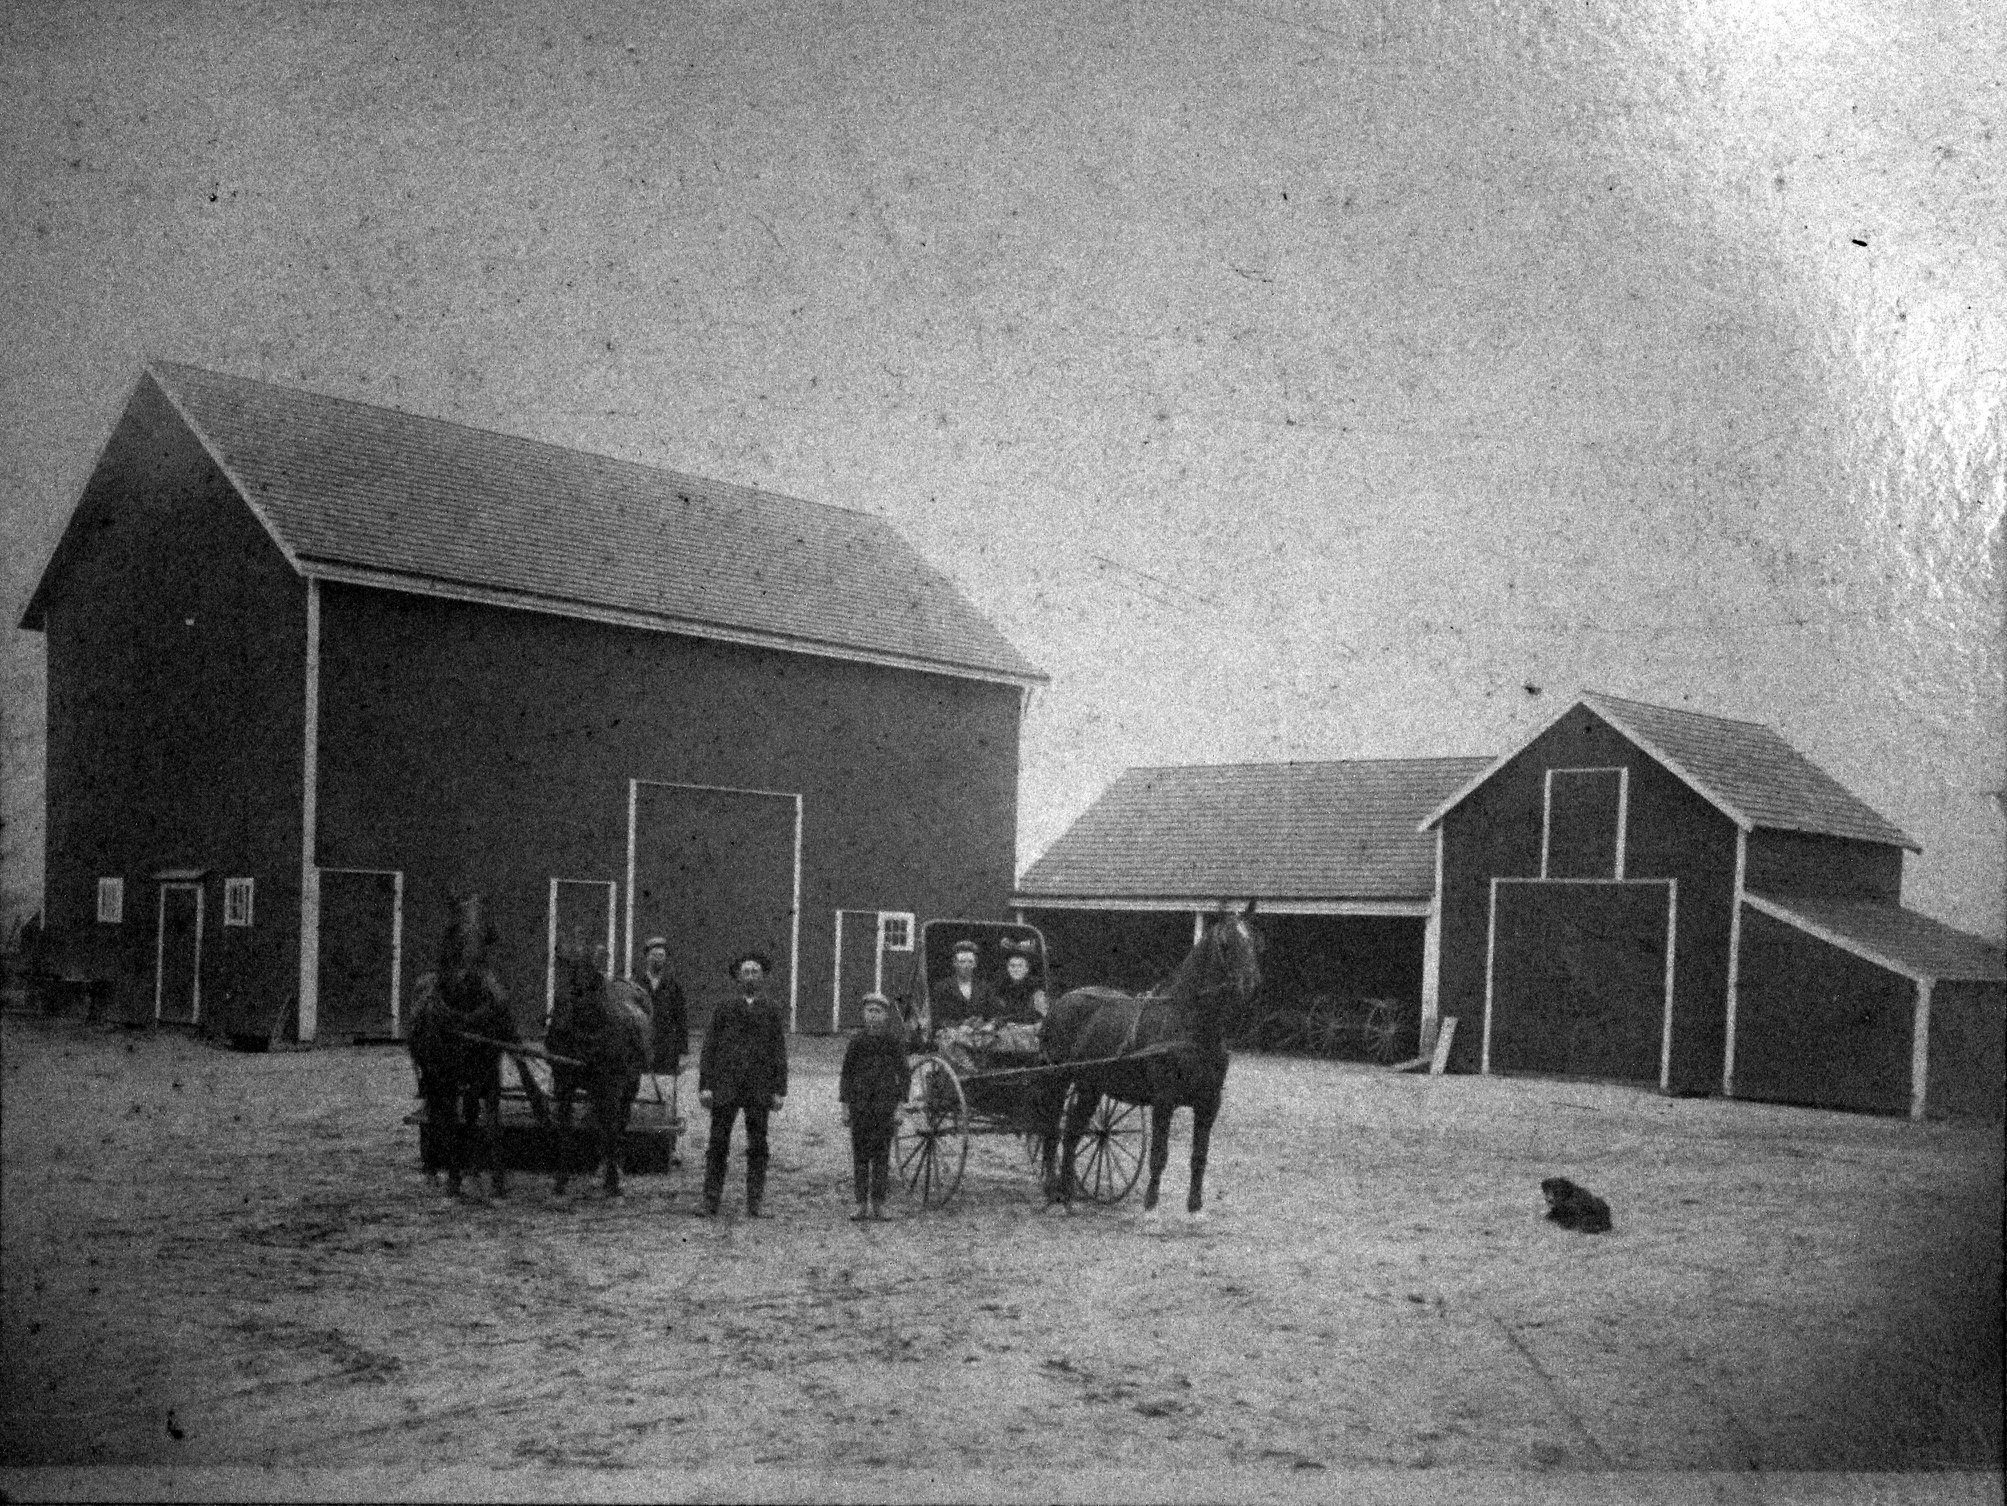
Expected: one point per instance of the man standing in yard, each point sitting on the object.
(665, 1007)
(743, 1067)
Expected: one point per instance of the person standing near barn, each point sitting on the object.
(665, 1007)
(871, 1088)
(742, 1069)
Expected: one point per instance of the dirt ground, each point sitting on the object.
(218, 1259)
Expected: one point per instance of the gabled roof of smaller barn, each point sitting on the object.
(1891, 937)
(374, 496)
(1745, 770)
(1323, 830)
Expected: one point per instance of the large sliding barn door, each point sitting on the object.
(715, 872)
(1580, 979)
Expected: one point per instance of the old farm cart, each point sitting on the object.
(998, 1087)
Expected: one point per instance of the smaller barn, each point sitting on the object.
(1646, 893)
(1345, 884)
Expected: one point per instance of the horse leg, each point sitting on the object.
(561, 1088)
(616, 1103)
(491, 1135)
(1073, 1124)
(1203, 1114)
(1160, 1151)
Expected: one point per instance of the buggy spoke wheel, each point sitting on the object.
(932, 1135)
(1110, 1158)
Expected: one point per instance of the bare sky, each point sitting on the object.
(1287, 380)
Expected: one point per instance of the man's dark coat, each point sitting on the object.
(744, 1060)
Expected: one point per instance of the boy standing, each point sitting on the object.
(872, 1087)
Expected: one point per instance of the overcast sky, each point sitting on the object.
(1288, 380)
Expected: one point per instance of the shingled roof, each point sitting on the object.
(1326, 830)
(1744, 769)
(375, 496)
(1888, 935)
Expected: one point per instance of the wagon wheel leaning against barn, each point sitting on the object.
(931, 1136)
(1384, 1030)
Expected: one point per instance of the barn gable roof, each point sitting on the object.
(1322, 830)
(1891, 937)
(373, 496)
(1745, 770)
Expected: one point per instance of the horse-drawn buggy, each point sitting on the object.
(1068, 1078)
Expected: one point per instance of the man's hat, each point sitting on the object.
(766, 964)
(965, 946)
(874, 997)
(653, 942)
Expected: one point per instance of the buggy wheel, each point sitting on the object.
(931, 1139)
(1382, 1030)
(1110, 1157)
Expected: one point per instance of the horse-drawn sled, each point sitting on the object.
(1070, 1091)
(598, 1041)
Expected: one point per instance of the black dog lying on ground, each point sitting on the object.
(1575, 1207)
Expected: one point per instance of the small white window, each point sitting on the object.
(237, 902)
(111, 900)
(895, 930)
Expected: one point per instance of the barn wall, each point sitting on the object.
(471, 746)
(1671, 833)
(176, 641)
(1807, 863)
(1968, 1050)
(1817, 1025)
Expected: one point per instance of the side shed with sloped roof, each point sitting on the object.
(1329, 850)
(314, 663)
(1646, 893)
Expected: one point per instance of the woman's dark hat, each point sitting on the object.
(1024, 948)
(765, 962)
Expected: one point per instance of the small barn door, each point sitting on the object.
(716, 872)
(1580, 978)
(177, 992)
(361, 939)
(581, 916)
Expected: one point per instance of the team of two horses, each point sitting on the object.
(1164, 1050)
(598, 1043)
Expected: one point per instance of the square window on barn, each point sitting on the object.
(237, 902)
(111, 900)
(895, 930)
(1584, 836)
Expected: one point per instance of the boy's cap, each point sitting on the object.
(875, 998)
(966, 946)
(655, 941)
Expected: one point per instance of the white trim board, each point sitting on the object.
(1414, 909)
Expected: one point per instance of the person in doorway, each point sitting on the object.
(742, 1069)
(871, 1088)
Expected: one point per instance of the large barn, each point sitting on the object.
(314, 665)
(1638, 892)
(1345, 885)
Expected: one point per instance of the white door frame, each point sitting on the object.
(396, 877)
(160, 949)
(794, 904)
(612, 889)
(877, 966)
(1672, 948)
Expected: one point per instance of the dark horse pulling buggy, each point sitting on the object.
(1075, 1100)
